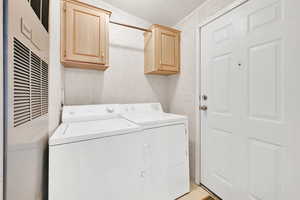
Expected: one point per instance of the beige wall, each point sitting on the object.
(182, 88)
(55, 68)
(124, 81)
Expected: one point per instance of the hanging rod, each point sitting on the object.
(130, 26)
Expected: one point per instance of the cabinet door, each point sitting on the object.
(168, 50)
(85, 37)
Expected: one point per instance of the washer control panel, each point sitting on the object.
(89, 112)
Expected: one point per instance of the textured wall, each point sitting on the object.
(55, 68)
(182, 88)
(124, 81)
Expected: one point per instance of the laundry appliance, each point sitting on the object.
(105, 152)
(165, 145)
(95, 154)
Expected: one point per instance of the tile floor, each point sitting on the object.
(197, 193)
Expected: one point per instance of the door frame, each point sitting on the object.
(199, 121)
(2, 113)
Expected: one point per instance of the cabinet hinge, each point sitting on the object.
(65, 7)
(65, 53)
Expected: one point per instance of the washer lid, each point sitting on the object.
(153, 118)
(81, 131)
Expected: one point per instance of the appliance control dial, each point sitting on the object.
(109, 109)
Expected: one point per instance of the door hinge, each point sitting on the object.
(65, 53)
(65, 7)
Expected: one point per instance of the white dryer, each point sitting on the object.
(165, 143)
(95, 154)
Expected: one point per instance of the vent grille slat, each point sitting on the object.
(20, 57)
(44, 88)
(30, 85)
(21, 121)
(20, 105)
(21, 87)
(21, 66)
(20, 78)
(20, 73)
(22, 112)
(36, 101)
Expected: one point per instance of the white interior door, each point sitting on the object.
(249, 148)
(221, 139)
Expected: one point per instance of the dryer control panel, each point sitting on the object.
(141, 108)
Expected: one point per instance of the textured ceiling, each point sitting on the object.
(165, 12)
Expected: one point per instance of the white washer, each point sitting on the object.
(166, 153)
(95, 154)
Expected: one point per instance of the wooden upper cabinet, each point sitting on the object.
(85, 39)
(162, 50)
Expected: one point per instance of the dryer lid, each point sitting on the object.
(82, 131)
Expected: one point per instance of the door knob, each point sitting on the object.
(204, 108)
(142, 174)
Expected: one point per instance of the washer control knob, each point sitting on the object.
(109, 109)
(143, 174)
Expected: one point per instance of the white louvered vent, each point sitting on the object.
(21, 83)
(30, 85)
(36, 88)
(44, 88)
